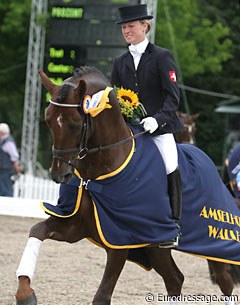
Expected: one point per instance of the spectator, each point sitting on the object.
(9, 164)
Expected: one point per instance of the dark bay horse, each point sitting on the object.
(95, 146)
(187, 134)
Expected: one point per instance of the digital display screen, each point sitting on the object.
(83, 32)
(62, 61)
(67, 12)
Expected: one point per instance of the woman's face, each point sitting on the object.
(134, 31)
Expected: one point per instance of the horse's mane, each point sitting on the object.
(63, 93)
(83, 70)
(78, 72)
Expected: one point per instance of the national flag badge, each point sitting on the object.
(173, 76)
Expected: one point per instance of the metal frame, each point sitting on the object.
(152, 10)
(33, 88)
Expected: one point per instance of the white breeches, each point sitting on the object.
(167, 146)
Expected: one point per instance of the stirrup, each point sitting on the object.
(172, 243)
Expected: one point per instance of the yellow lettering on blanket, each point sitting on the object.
(220, 216)
(223, 234)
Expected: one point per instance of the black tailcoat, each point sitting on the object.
(152, 81)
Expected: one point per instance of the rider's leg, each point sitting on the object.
(168, 149)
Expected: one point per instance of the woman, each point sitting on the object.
(150, 71)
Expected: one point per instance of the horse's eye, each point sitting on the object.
(74, 127)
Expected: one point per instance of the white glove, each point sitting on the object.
(149, 124)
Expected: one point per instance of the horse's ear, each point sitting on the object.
(47, 83)
(195, 116)
(81, 89)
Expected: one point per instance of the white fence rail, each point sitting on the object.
(24, 207)
(28, 186)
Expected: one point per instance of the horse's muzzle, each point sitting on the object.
(60, 173)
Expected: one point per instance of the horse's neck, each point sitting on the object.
(108, 131)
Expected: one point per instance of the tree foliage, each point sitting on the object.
(14, 27)
(203, 35)
(200, 44)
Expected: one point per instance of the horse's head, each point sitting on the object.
(63, 117)
(187, 134)
(69, 120)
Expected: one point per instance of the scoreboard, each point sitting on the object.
(83, 32)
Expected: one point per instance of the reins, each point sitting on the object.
(83, 152)
(87, 151)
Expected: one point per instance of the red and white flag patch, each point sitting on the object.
(173, 76)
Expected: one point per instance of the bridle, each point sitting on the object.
(82, 149)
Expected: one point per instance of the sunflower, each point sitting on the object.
(128, 96)
(129, 103)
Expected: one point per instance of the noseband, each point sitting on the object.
(81, 149)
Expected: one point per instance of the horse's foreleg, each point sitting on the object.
(29, 258)
(69, 230)
(115, 262)
(25, 271)
(25, 294)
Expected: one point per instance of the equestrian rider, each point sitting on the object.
(150, 71)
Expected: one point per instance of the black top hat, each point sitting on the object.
(133, 12)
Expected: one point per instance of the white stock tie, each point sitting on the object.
(134, 51)
(136, 54)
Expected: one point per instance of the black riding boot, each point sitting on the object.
(175, 196)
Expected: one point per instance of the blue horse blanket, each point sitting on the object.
(132, 208)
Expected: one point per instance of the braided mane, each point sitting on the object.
(84, 70)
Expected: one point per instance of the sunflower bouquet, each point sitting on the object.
(132, 110)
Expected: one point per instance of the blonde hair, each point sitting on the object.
(148, 23)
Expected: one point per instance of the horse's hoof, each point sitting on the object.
(32, 300)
